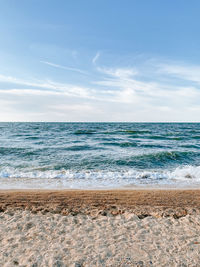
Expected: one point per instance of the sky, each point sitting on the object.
(100, 60)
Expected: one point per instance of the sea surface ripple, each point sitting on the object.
(99, 155)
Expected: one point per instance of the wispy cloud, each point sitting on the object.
(121, 73)
(182, 71)
(127, 94)
(125, 87)
(24, 82)
(28, 91)
(128, 88)
(96, 57)
(47, 85)
(64, 67)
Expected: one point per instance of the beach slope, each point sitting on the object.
(100, 228)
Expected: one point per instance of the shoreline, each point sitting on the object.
(100, 228)
(125, 188)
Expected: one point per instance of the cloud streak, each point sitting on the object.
(96, 57)
(190, 73)
(46, 86)
(64, 67)
(116, 93)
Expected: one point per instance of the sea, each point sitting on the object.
(99, 155)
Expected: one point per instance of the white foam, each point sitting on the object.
(189, 173)
(12, 178)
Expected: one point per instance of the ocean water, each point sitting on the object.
(99, 155)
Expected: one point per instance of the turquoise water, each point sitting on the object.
(99, 155)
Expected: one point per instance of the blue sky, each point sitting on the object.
(99, 60)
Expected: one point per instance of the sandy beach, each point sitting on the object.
(100, 228)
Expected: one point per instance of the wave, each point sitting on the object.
(186, 172)
(120, 144)
(32, 137)
(195, 137)
(166, 137)
(84, 132)
(167, 155)
(136, 131)
(126, 132)
(159, 159)
(81, 148)
(13, 178)
(11, 150)
(115, 132)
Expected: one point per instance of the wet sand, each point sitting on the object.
(90, 201)
(100, 227)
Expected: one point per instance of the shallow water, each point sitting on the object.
(99, 155)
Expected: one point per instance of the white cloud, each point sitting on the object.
(115, 94)
(45, 87)
(96, 57)
(128, 87)
(23, 91)
(184, 72)
(24, 82)
(122, 73)
(64, 67)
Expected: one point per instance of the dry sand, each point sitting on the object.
(100, 228)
